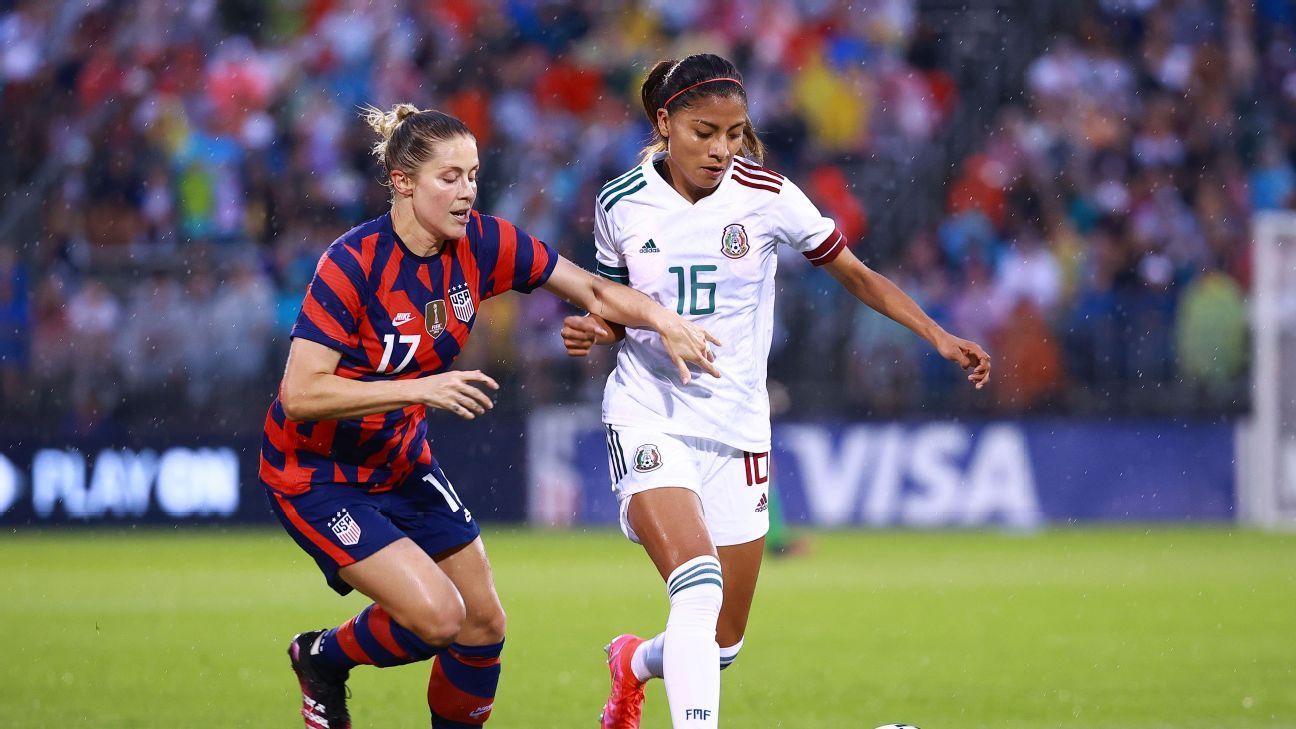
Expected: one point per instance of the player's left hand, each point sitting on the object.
(968, 354)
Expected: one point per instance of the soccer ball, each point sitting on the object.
(897, 726)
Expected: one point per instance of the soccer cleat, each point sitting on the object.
(324, 692)
(625, 704)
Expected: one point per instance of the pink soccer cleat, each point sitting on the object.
(625, 704)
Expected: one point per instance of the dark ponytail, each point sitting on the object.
(650, 91)
(673, 85)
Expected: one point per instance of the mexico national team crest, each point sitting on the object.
(733, 242)
(461, 300)
(647, 458)
(434, 317)
(346, 528)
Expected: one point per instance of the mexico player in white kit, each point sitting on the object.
(696, 227)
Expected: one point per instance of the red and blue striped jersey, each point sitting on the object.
(392, 315)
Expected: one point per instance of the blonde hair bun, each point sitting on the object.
(386, 122)
(409, 135)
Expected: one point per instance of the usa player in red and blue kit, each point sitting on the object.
(392, 315)
(346, 458)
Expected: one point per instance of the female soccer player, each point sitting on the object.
(695, 227)
(345, 457)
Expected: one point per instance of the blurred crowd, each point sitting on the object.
(192, 160)
(1098, 239)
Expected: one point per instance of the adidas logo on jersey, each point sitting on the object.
(762, 505)
(650, 247)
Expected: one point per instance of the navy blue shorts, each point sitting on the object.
(339, 525)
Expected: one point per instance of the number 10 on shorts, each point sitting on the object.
(757, 467)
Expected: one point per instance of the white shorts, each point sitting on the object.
(732, 484)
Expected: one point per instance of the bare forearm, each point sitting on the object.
(686, 343)
(320, 396)
(623, 305)
(606, 300)
(883, 296)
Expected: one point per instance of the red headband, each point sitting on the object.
(699, 83)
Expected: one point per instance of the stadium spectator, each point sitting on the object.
(15, 321)
(151, 344)
(1211, 333)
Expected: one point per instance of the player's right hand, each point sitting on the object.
(688, 342)
(457, 392)
(967, 354)
(580, 334)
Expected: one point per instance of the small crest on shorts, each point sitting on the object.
(345, 528)
(461, 300)
(647, 458)
(733, 241)
(434, 317)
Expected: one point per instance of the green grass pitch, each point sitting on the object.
(1123, 628)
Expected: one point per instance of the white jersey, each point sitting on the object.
(712, 262)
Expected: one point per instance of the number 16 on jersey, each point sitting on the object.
(696, 288)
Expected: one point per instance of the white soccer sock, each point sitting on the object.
(690, 655)
(729, 654)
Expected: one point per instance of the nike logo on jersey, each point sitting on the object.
(650, 247)
(402, 318)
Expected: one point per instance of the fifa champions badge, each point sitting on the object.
(434, 317)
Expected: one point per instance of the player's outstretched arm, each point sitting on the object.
(311, 391)
(684, 340)
(883, 296)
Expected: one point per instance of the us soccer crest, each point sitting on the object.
(345, 527)
(434, 317)
(733, 241)
(647, 458)
(461, 300)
